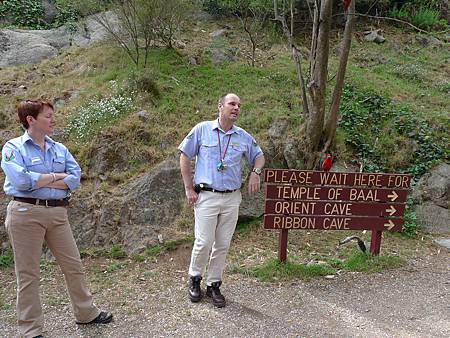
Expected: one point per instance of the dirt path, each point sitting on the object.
(149, 300)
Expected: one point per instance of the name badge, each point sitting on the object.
(35, 160)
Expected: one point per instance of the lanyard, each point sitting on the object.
(220, 147)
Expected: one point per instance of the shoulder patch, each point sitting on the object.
(190, 136)
(9, 155)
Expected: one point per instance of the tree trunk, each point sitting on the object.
(319, 81)
(331, 125)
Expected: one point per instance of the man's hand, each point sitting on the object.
(254, 183)
(191, 196)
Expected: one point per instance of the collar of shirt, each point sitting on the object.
(216, 125)
(27, 138)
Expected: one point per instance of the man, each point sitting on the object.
(218, 147)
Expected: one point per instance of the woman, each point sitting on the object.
(40, 174)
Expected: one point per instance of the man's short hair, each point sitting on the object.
(31, 108)
(222, 98)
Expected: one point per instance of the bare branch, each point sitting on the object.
(392, 19)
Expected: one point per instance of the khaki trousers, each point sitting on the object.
(28, 226)
(216, 216)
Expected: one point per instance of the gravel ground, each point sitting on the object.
(150, 300)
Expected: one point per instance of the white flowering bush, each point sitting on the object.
(412, 72)
(100, 113)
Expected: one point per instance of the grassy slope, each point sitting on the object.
(398, 69)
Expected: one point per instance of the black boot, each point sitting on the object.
(213, 291)
(195, 292)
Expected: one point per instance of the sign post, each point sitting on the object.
(318, 200)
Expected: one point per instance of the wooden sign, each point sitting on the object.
(287, 192)
(318, 200)
(331, 223)
(297, 208)
(309, 177)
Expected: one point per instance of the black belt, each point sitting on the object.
(48, 203)
(202, 187)
(219, 191)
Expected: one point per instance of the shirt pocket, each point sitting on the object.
(235, 153)
(211, 151)
(35, 164)
(59, 164)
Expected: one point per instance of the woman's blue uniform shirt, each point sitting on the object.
(23, 162)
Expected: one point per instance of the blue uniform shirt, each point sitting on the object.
(23, 162)
(203, 143)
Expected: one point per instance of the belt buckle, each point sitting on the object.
(46, 202)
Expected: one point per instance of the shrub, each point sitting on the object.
(117, 252)
(67, 14)
(375, 127)
(25, 13)
(144, 82)
(98, 114)
(216, 8)
(410, 71)
(425, 16)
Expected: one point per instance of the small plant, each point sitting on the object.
(114, 267)
(410, 227)
(154, 251)
(117, 252)
(144, 82)
(7, 259)
(412, 72)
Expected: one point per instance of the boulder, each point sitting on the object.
(431, 199)
(252, 206)
(19, 47)
(145, 208)
(222, 55)
(50, 11)
(374, 36)
(219, 32)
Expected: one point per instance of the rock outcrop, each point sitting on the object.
(431, 198)
(20, 47)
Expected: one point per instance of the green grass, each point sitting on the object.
(171, 245)
(244, 228)
(365, 262)
(348, 260)
(7, 259)
(273, 270)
